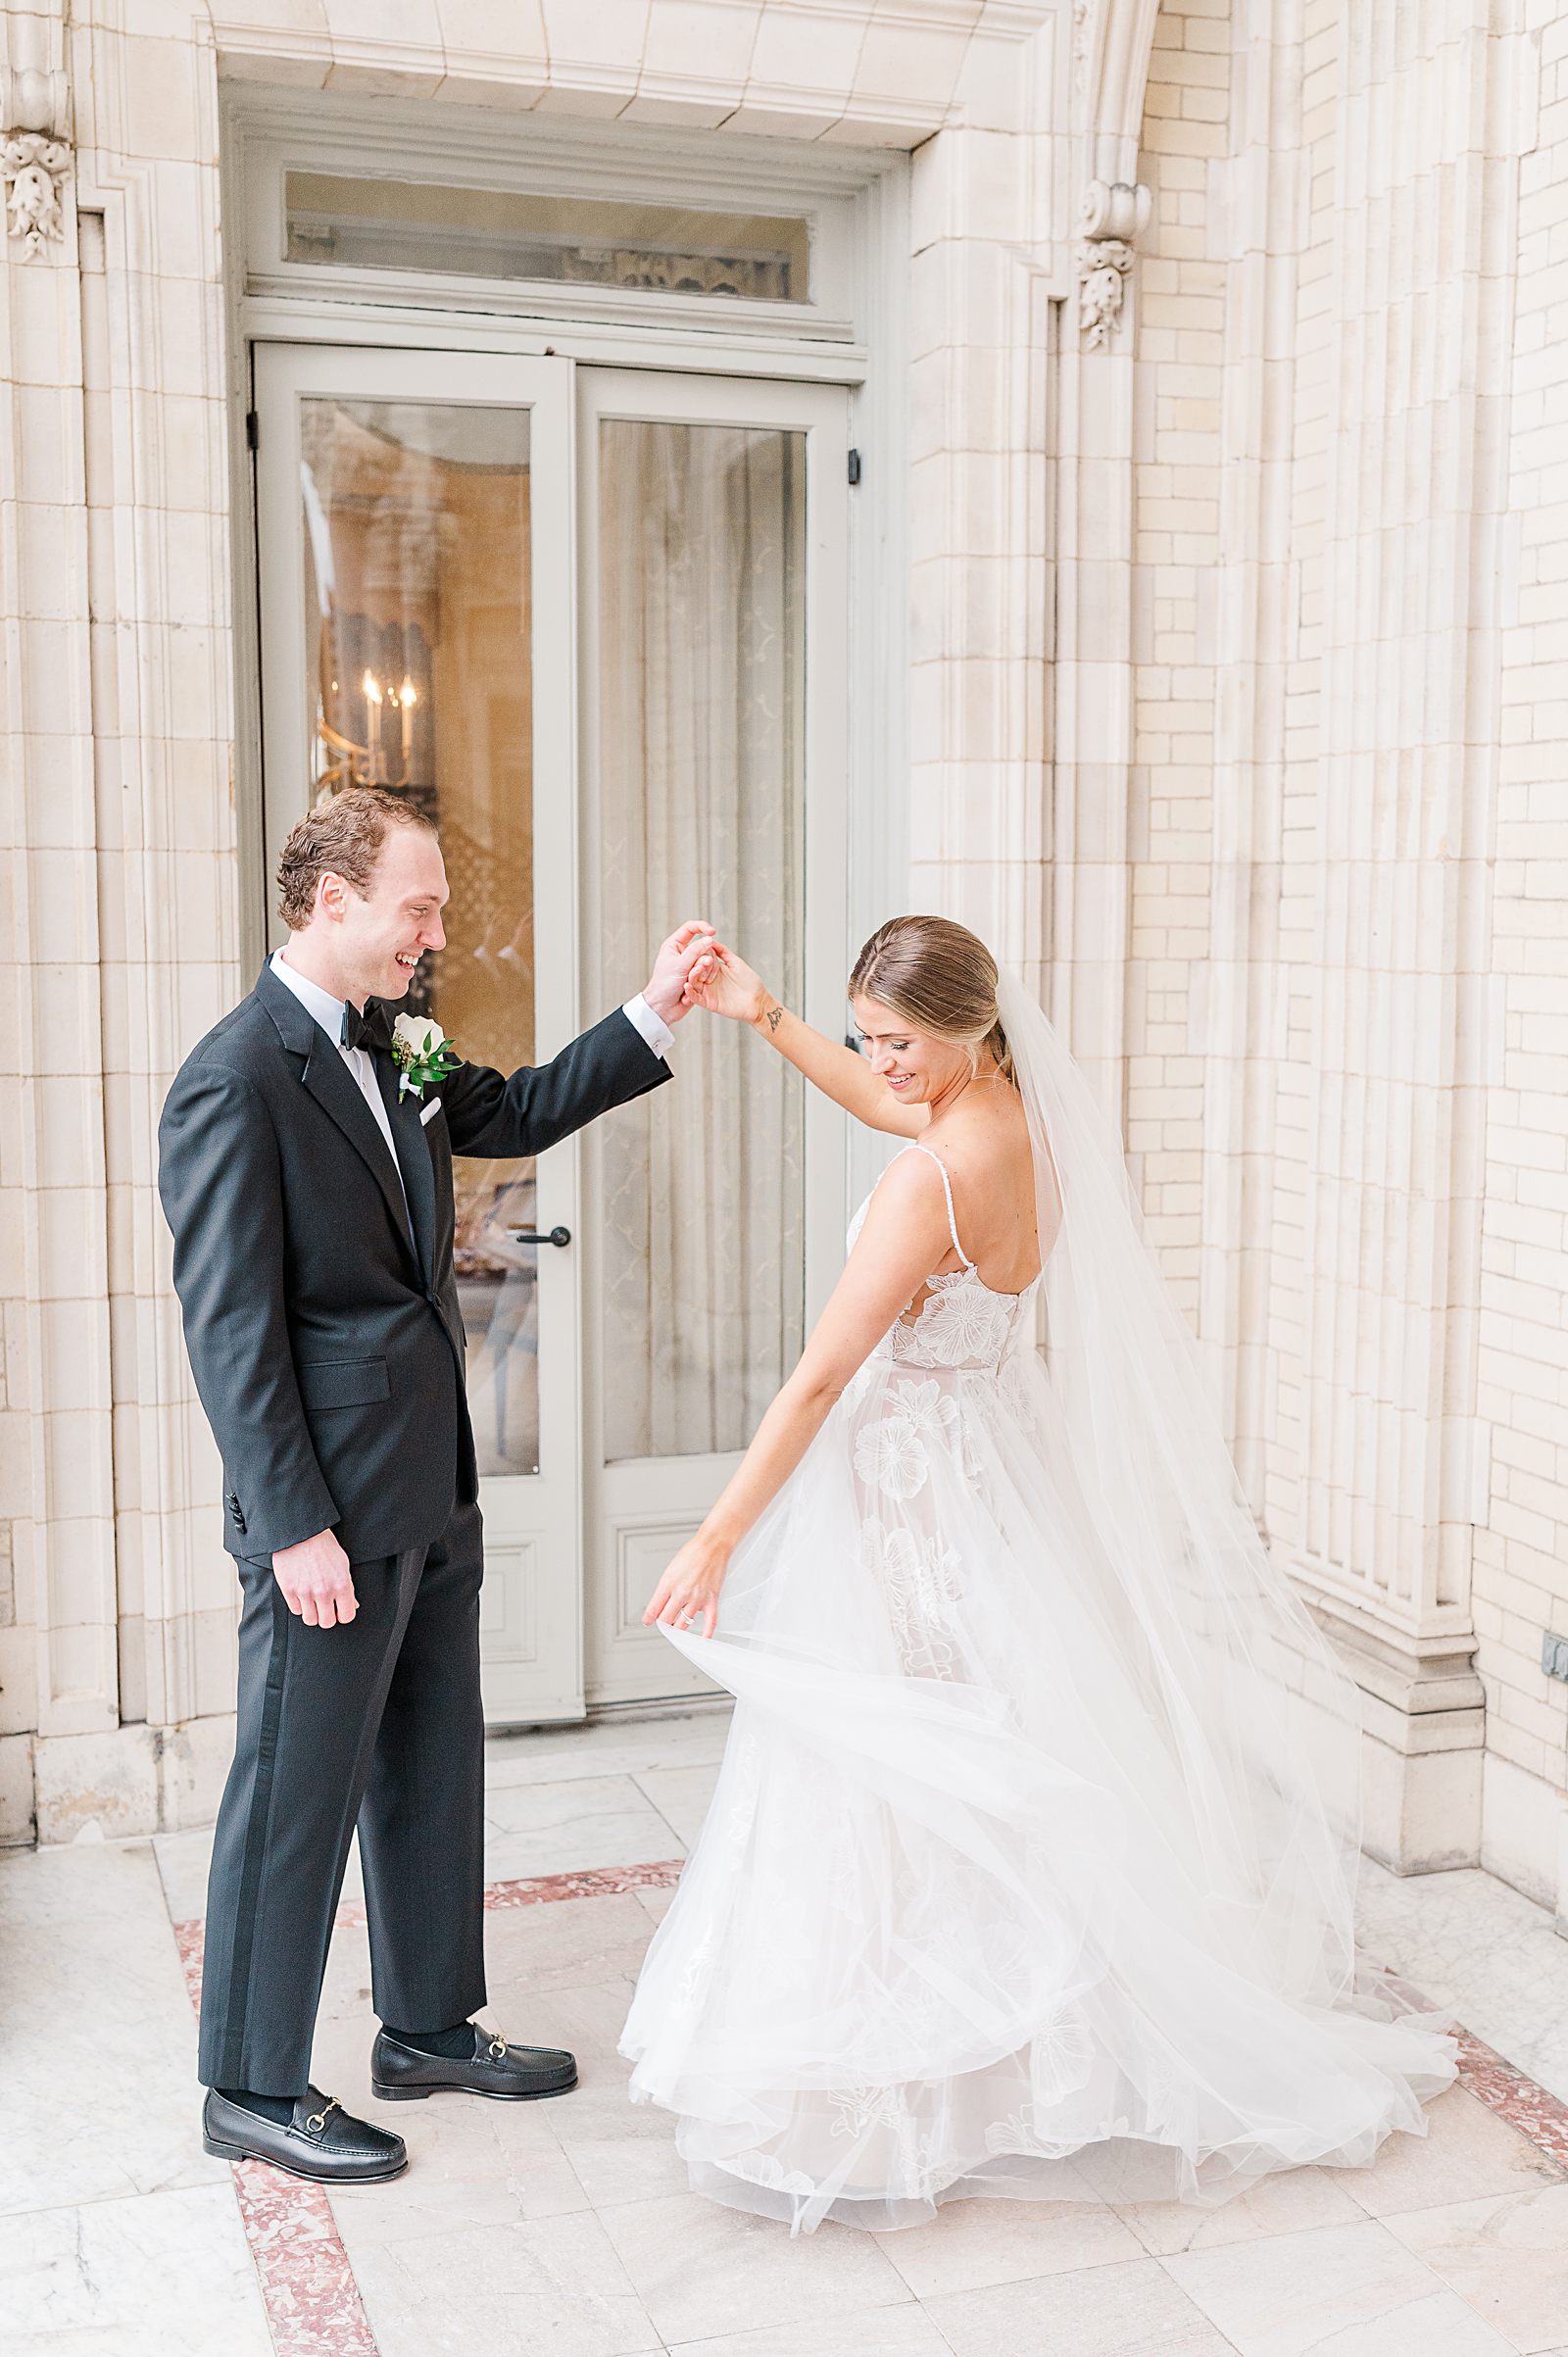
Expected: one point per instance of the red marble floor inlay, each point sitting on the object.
(1499, 2084)
(1515, 2098)
(596, 1881)
(313, 2302)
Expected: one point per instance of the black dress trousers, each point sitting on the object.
(378, 1722)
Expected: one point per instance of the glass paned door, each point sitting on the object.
(701, 692)
(409, 505)
(714, 623)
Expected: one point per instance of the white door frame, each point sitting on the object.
(532, 1613)
(626, 1546)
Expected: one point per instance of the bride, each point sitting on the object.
(1030, 1868)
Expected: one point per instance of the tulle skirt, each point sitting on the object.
(1010, 1883)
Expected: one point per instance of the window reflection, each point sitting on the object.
(416, 543)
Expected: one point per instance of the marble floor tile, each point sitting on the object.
(99, 2075)
(47, 1890)
(472, 2165)
(182, 1862)
(1466, 2151)
(1287, 2204)
(1129, 2310)
(158, 2274)
(570, 1943)
(970, 2244)
(621, 2151)
(1471, 1942)
(869, 2333)
(681, 1797)
(587, 2020)
(1352, 2288)
(546, 1808)
(702, 2271)
(1507, 2258)
(608, 1748)
(560, 1827)
(542, 2288)
(346, 1988)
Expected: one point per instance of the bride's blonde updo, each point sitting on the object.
(941, 978)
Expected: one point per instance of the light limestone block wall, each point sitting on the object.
(1521, 1548)
(1179, 484)
(1346, 996)
(117, 1667)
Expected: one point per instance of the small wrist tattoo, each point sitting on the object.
(773, 1017)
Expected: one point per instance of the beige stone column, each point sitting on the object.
(121, 844)
(1094, 447)
(1394, 1454)
(59, 1659)
(1256, 225)
(168, 869)
(983, 208)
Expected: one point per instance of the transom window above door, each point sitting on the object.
(531, 218)
(386, 224)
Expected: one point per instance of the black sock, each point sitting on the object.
(278, 2108)
(450, 2045)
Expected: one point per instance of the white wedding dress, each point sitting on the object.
(1014, 1880)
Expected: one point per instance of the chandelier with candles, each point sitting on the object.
(348, 764)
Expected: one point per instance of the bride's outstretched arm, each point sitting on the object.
(904, 1238)
(725, 985)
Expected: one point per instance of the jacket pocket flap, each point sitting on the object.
(344, 1383)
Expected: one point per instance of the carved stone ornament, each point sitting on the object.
(36, 166)
(1083, 26)
(1110, 217)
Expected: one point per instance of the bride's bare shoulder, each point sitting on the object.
(986, 1142)
(984, 1147)
(908, 1194)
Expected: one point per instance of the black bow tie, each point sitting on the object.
(368, 1030)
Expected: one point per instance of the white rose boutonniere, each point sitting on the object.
(421, 1052)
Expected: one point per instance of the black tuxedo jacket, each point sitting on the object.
(325, 1336)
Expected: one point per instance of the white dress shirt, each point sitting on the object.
(652, 1028)
(328, 1013)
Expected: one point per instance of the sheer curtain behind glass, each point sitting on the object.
(701, 707)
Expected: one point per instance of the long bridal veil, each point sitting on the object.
(1030, 1869)
(1259, 1717)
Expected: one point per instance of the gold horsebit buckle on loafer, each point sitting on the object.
(318, 2119)
(498, 2047)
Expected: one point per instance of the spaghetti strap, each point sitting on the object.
(947, 1188)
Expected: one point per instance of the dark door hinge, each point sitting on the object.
(855, 466)
(253, 430)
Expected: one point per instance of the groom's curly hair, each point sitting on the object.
(341, 837)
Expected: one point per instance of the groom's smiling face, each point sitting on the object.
(389, 926)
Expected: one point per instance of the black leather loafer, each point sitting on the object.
(323, 2140)
(510, 2074)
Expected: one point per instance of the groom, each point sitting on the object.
(312, 1210)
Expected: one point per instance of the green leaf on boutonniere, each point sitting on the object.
(422, 1053)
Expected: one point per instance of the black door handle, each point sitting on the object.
(558, 1237)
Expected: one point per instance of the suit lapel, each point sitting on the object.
(414, 1158)
(331, 1082)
